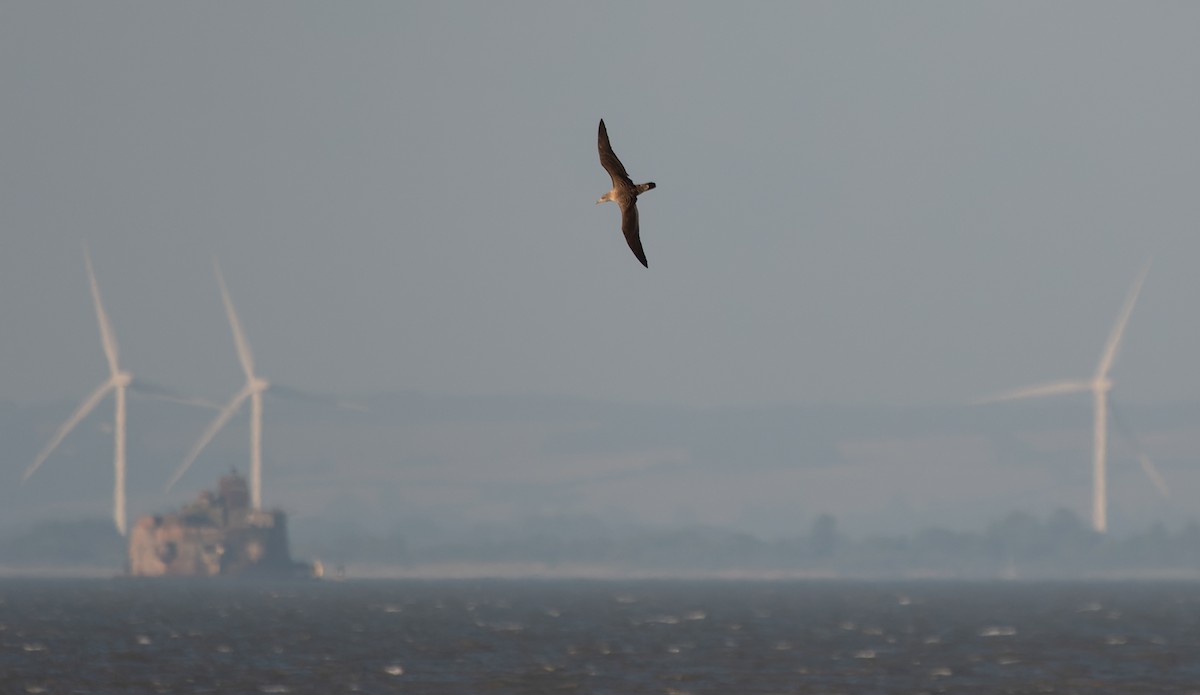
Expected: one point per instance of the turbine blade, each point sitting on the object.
(195, 401)
(107, 337)
(1114, 339)
(64, 429)
(158, 392)
(1055, 389)
(211, 431)
(295, 394)
(1147, 465)
(1151, 472)
(243, 347)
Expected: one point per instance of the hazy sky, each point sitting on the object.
(866, 203)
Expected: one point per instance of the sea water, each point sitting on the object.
(669, 637)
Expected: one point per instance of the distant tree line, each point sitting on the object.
(80, 542)
(1019, 546)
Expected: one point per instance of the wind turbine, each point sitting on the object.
(1099, 385)
(254, 389)
(118, 381)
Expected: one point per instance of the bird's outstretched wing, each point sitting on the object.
(608, 160)
(629, 225)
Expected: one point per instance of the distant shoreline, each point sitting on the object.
(59, 572)
(533, 570)
(541, 571)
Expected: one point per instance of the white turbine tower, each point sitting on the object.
(117, 382)
(254, 389)
(1099, 385)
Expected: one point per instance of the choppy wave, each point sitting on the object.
(106, 636)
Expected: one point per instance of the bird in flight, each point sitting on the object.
(624, 193)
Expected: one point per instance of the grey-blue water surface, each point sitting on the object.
(670, 637)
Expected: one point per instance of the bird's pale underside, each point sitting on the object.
(624, 193)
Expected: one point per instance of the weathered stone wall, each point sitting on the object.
(215, 535)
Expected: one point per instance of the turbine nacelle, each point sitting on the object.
(257, 385)
(122, 379)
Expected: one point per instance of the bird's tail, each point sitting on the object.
(643, 187)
